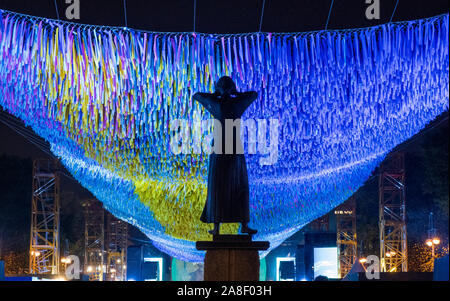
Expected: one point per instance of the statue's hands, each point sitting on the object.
(196, 95)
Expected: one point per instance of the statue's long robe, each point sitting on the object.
(228, 193)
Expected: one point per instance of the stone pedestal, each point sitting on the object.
(232, 258)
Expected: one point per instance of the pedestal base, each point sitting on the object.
(232, 258)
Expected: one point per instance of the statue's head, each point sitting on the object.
(225, 86)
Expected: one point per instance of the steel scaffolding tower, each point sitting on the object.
(346, 235)
(94, 239)
(44, 233)
(116, 247)
(392, 218)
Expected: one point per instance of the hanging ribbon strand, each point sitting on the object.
(104, 98)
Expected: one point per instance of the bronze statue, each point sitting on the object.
(228, 193)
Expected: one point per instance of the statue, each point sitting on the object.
(228, 193)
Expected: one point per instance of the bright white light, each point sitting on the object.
(326, 262)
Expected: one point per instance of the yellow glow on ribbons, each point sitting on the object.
(177, 206)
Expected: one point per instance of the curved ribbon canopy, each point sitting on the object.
(104, 98)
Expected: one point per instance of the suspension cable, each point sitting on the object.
(56, 8)
(262, 15)
(395, 8)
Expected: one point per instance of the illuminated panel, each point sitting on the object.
(326, 262)
(186, 271)
(104, 98)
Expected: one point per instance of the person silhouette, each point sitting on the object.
(228, 192)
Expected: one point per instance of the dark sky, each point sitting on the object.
(215, 16)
